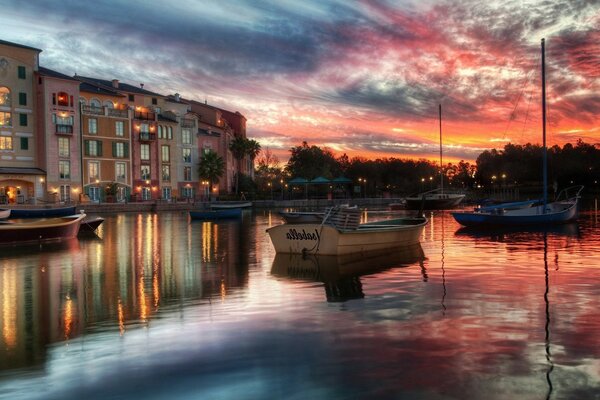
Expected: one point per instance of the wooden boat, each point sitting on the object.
(564, 209)
(4, 214)
(42, 230)
(90, 224)
(435, 199)
(41, 212)
(226, 213)
(340, 233)
(302, 217)
(230, 205)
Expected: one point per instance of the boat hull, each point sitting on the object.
(328, 240)
(52, 229)
(439, 202)
(227, 206)
(229, 213)
(560, 213)
(91, 224)
(41, 212)
(302, 217)
(4, 214)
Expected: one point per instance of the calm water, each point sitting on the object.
(158, 307)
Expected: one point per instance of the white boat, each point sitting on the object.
(232, 204)
(4, 214)
(564, 209)
(340, 233)
(302, 217)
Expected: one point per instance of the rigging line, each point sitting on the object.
(526, 115)
(513, 113)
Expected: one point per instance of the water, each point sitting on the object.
(157, 307)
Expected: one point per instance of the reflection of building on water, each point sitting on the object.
(341, 274)
(81, 285)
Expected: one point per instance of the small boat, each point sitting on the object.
(564, 209)
(41, 212)
(435, 199)
(90, 224)
(230, 204)
(302, 217)
(227, 213)
(4, 214)
(340, 233)
(41, 230)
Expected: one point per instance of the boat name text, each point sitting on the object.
(293, 234)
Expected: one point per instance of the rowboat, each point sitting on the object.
(41, 212)
(90, 224)
(340, 233)
(4, 214)
(216, 214)
(306, 217)
(42, 230)
(341, 274)
(230, 205)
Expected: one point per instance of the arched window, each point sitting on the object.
(82, 101)
(160, 132)
(4, 96)
(63, 99)
(95, 103)
(109, 104)
(170, 133)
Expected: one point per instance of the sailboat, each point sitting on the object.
(435, 199)
(564, 209)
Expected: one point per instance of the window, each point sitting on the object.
(120, 172)
(146, 193)
(92, 126)
(119, 149)
(131, 97)
(187, 192)
(6, 143)
(64, 146)
(166, 173)
(23, 119)
(59, 120)
(65, 192)
(145, 152)
(63, 99)
(93, 171)
(21, 72)
(93, 148)
(206, 150)
(154, 101)
(169, 132)
(5, 119)
(187, 173)
(166, 193)
(119, 128)
(22, 99)
(165, 153)
(145, 172)
(94, 193)
(24, 143)
(187, 155)
(144, 128)
(186, 136)
(160, 132)
(64, 169)
(5, 96)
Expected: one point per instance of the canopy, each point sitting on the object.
(298, 181)
(320, 181)
(341, 179)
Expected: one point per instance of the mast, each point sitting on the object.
(441, 165)
(545, 155)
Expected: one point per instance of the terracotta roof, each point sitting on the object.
(125, 87)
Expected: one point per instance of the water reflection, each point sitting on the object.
(341, 274)
(141, 265)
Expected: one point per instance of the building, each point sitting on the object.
(59, 142)
(22, 179)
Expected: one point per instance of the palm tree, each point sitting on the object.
(241, 147)
(211, 168)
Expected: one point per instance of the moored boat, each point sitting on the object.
(435, 199)
(42, 230)
(48, 212)
(90, 224)
(230, 205)
(302, 217)
(227, 213)
(340, 233)
(4, 214)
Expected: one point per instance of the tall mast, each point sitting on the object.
(441, 165)
(545, 157)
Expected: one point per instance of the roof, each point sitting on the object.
(91, 88)
(53, 74)
(298, 180)
(125, 87)
(167, 116)
(6, 43)
(22, 171)
(319, 180)
(341, 179)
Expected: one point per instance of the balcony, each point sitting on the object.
(147, 137)
(62, 129)
(93, 110)
(144, 115)
(113, 112)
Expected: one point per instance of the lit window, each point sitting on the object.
(6, 143)
(186, 136)
(64, 169)
(93, 171)
(145, 152)
(5, 96)
(187, 155)
(5, 119)
(120, 172)
(145, 172)
(165, 153)
(64, 147)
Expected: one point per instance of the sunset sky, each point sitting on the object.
(360, 77)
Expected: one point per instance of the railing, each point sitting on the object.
(144, 115)
(187, 123)
(114, 112)
(147, 136)
(62, 129)
(92, 110)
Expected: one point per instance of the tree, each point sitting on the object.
(311, 161)
(211, 167)
(241, 147)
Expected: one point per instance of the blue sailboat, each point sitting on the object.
(564, 209)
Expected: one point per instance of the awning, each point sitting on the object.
(298, 181)
(320, 181)
(341, 180)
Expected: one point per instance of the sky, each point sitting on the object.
(363, 78)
